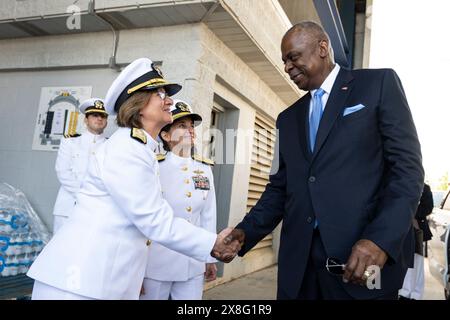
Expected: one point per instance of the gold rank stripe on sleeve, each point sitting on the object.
(199, 158)
(139, 135)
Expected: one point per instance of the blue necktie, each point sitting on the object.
(314, 121)
(316, 115)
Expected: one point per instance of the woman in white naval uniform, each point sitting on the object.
(101, 251)
(187, 184)
(73, 158)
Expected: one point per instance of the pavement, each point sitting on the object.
(262, 285)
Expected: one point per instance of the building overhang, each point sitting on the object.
(232, 23)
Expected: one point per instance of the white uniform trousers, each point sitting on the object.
(191, 289)
(58, 222)
(41, 291)
(414, 283)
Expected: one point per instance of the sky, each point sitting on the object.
(413, 38)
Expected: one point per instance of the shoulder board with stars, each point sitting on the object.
(199, 158)
(73, 135)
(139, 135)
(160, 157)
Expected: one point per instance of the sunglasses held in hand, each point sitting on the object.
(335, 266)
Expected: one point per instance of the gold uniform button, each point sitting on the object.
(186, 181)
(184, 168)
(149, 242)
(188, 194)
(188, 209)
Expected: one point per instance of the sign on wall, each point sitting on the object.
(58, 114)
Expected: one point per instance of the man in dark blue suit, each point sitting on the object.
(348, 182)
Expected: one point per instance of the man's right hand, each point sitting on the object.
(235, 234)
(228, 244)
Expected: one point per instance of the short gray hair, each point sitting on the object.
(315, 30)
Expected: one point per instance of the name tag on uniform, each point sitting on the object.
(201, 182)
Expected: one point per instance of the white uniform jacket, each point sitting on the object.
(102, 250)
(181, 181)
(71, 167)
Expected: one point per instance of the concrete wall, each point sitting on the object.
(36, 9)
(252, 16)
(367, 34)
(218, 60)
(191, 55)
(242, 88)
(299, 10)
(358, 54)
(33, 171)
(13, 9)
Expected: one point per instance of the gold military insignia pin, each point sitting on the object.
(182, 106)
(199, 172)
(158, 70)
(160, 157)
(139, 135)
(98, 104)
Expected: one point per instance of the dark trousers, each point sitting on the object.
(319, 284)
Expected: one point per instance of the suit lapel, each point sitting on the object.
(303, 125)
(336, 101)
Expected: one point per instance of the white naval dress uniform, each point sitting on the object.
(101, 252)
(414, 282)
(71, 167)
(188, 187)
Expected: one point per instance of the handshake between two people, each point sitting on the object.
(228, 243)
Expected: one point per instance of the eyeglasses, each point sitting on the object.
(335, 266)
(162, 94)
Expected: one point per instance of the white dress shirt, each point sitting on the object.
(326, 86)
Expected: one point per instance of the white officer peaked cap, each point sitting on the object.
(93, 105)
(139, 75)
(180, 103)
(181, 109)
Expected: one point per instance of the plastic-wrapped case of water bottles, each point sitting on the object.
(22, 233)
